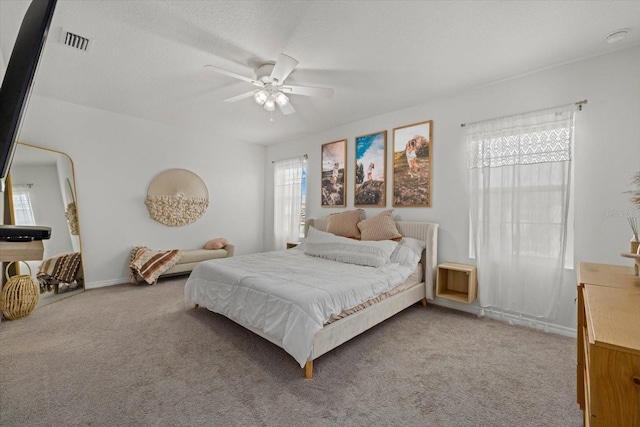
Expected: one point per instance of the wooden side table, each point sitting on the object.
(21, 251)
(457, 282)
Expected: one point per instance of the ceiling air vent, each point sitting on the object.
(75, 41)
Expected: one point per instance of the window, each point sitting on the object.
(289, 198)
(22, 205)
(533, 196)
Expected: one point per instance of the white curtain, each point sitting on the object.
(521, 209)
(287, 203)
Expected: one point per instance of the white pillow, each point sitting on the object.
(343, 249)
(408, 252)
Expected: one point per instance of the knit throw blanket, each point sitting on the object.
(148, 265)
(62, 268)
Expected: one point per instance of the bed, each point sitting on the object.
(287, 297)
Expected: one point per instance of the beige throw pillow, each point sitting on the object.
(345, 223)
(380, 227)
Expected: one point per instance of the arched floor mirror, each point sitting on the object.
(42, 191)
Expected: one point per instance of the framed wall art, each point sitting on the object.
(334, 172)
(412, 165)
(371, 171)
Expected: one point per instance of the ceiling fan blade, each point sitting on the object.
(287, 109)
(241, 96)
(308, 91)
(234, 75)
(284, 66)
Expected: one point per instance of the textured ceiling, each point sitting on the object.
(147, 57)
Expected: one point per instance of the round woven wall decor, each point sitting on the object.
(177, 197)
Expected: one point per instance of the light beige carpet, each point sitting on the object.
(138, 356)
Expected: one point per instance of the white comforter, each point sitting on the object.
(287, 295)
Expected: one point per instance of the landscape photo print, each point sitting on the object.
(334, 172)
(371, 171)
(412, 165)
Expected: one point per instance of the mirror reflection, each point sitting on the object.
(43, 192)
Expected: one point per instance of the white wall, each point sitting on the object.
(607, 154)
(116, 157)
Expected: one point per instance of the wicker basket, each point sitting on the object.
(19, 296)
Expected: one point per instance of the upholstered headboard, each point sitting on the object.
(425, 231)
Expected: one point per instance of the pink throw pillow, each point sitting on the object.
(217, 243)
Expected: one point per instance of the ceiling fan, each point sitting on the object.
(272, 90)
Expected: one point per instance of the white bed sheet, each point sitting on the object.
(287, 295)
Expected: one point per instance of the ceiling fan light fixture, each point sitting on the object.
(271, 91)
(261, 97)
(270, 104)
(282, 99)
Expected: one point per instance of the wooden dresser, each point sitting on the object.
(608, 368)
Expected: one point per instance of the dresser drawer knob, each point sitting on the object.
(636, 380)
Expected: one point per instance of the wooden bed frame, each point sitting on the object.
(341, 331)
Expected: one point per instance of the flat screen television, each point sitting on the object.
(19, 76)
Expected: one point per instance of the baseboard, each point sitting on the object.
(508, 318)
